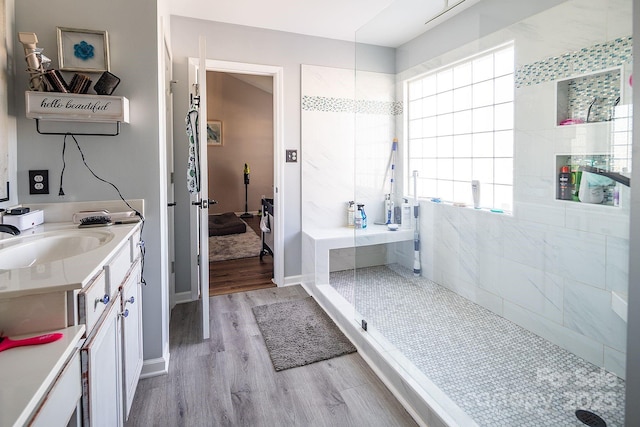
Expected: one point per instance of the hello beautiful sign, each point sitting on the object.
(75, 107)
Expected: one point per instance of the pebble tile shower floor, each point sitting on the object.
(499, 373)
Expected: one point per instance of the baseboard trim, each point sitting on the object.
(156, 367)
(182, 297)
(292, 280)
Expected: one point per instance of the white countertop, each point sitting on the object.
(65, 274)
(28, 372)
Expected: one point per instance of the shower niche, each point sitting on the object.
(589, 98)
(597, 179)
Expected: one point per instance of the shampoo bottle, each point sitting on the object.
(388, 208)
(564, 184)
(475, 192)
(363, 216)
(351, 212)
(406, 214)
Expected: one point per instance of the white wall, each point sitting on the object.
(251, 45)
(132, 160)
(246, 112)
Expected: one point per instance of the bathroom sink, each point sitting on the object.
(22, 252)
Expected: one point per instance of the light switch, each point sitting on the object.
(292, 156)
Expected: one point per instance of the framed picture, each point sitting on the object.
(214, 132)
(83, 50)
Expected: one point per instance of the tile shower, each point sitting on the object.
(504, 299)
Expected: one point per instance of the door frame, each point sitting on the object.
(277, 73)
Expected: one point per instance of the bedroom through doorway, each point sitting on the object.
(240, 148)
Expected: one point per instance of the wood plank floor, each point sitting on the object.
(229, 380)
(244, 274)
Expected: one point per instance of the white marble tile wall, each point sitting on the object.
(328, 82)
(617, 276)
(555, 281)
(345, 155)
(571, 26)
(614, 361)
(327, 154)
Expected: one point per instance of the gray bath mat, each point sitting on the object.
(299, 332)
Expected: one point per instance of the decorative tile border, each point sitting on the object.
(589, 59)
(346, 105)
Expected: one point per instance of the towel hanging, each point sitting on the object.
(264, 224)
(193, 166)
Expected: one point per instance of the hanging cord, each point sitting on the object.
(64, 165)
(61, 193)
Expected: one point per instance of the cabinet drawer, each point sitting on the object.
(92, 302)
(117, 269)
(134, 242)
(63, 398)
(37, 313)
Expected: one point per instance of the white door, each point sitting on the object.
(170, 179)
(199, 216)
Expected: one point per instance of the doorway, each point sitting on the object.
(276, 76)
(240, 150)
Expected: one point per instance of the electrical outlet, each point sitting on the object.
(292, 156)
(39, 182)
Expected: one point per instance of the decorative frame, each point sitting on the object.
(83, 50)
(214, 133)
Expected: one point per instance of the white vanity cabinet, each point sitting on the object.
(131, 336)
(89, 376)
(111, 308)
(101, 358)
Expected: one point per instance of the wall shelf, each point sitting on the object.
(76, 108)
(588, 98)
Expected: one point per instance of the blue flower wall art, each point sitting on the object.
(83, 50)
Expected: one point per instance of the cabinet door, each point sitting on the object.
(102, 371)
(131, 335)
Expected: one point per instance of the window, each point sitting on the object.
(460, 128)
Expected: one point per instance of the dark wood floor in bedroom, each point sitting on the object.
(244, 274)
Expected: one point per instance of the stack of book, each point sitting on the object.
(79, 83)
(55, 82)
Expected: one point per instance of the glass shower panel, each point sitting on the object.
(506, 310)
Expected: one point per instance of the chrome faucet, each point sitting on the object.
(8, 228)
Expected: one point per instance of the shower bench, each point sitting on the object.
(319, 242)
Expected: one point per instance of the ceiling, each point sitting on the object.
(379, 22)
